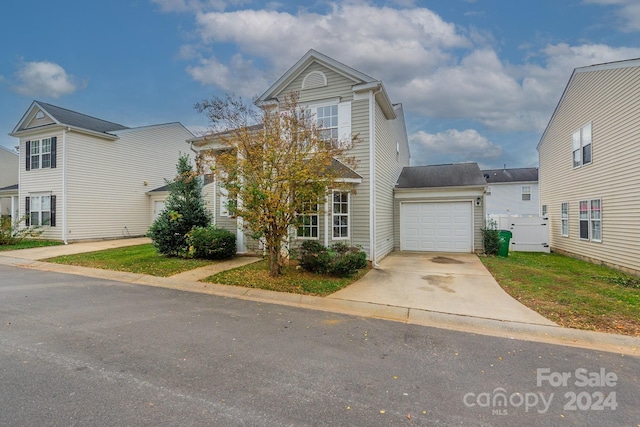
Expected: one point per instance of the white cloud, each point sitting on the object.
(433, 67)
(44, 79)
(452, 145)
(499, 95)
(628, 12)
(372, 39)
(239, 76)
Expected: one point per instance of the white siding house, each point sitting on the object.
(512, 192)
(589, 160)
(8, 183)
(86, 178)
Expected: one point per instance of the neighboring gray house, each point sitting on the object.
(8, 182)
(512, 192)
(86, 178)
(589, 175)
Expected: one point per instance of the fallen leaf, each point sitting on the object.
(408, 416)
(382, 411)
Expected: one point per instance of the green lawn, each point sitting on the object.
(292, 280)
(141, 259)
(570, 292)
(27, 244)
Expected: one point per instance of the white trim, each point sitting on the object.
(348, 214)
(64, 186)
(326, 220)
(472, 222)
(313, 73)
(372, 178)
(562, 219)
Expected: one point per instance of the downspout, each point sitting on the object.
(372, 175)
(64, 185)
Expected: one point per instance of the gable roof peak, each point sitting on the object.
(65, 117)
(302, 64)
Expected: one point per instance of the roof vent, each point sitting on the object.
(314, 79)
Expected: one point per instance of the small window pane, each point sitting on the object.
(35, 148)
(586, 154)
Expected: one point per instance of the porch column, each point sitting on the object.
(14, 210)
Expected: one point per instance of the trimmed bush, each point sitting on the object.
(211, 243)
(338, 259)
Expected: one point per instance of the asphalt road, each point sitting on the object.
(89, 352)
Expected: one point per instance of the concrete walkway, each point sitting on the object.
(73, 248)
(444, 307)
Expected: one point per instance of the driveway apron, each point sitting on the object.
(452, 283)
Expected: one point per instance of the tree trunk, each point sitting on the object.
(274, 259)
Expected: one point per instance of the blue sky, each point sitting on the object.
(478, 79)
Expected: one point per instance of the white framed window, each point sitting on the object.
(39, 209)
(584, 219)
(544, 210)
(595, 220)
(327, 122)
(581, 146)
(308, 227)
(564, 218)
(526, 192)
(340, 215)
(40, 153)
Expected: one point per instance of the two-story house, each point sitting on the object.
(589, 172)
(374, 211)
(512, 192)
(86, 178)
(347, 102)
(8, 182)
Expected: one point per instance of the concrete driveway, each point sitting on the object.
(451, 283)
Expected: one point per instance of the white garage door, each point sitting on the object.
(436, 227)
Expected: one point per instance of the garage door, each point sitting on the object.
(436, 227)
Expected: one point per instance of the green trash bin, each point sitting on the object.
(505, 238)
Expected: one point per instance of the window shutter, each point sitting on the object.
(52, 221)
(54, 140)
(27, 209)
(28, 155)
(344, 122)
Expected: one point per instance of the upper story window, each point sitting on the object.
(581, 144)
(526, 192)
(327, 122)
(41, 153)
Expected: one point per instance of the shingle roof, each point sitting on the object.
(9, 188)
(511, 175)
(208, 179)
(450, 175)
(79, 120)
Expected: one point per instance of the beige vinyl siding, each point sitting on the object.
(388, 165)
(8, 176)
(107, 181)
(43, 181)
(360, 199)
(609, 99)
(337, 86)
